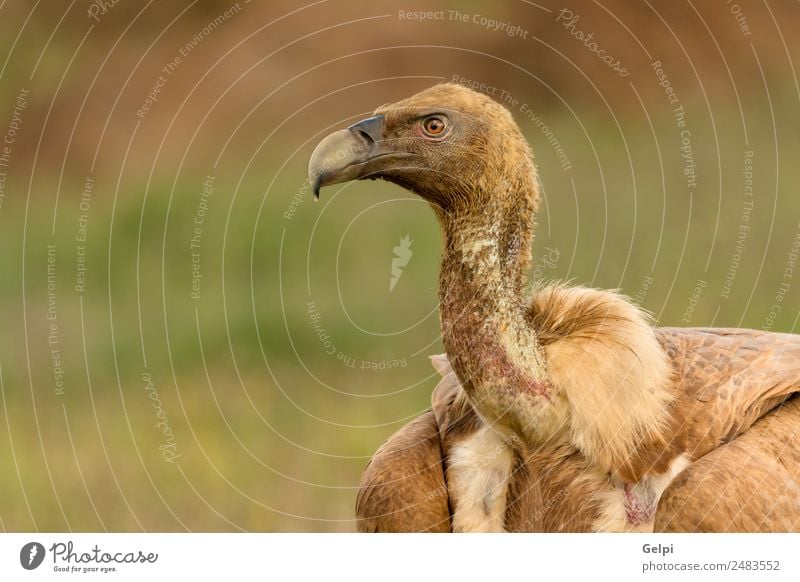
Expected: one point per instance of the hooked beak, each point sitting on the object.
(346, 154)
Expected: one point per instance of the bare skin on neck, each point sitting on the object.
(486, 328)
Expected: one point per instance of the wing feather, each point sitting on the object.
(726, 380)
(751, 484)
(403, 488)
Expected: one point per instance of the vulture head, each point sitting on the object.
(456, 148)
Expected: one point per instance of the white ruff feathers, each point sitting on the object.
(615, 374)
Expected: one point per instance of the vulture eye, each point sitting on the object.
(434, 126)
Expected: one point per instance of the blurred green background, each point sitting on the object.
(189, 342)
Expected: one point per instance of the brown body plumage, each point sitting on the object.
(568, 411)
(748, 480)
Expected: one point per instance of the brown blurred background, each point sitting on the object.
(190, 343)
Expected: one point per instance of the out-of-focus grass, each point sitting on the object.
(272, 431)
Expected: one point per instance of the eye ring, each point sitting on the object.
(434, 126)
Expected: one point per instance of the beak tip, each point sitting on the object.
(315, 187)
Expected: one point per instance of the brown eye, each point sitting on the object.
(434, 126)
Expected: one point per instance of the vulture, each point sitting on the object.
(560, 408)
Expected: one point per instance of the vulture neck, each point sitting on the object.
(486, 329)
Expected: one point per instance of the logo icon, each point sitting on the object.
(402, 254)
(31, 555)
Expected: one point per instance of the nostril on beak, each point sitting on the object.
(367, 137)
(370, 129)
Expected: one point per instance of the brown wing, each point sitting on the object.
(403, 488)
(751, 484)
(727, 380)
